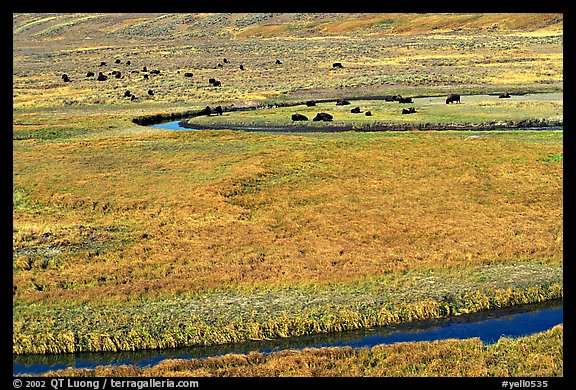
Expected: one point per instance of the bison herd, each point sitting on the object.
(102, 76)
(321, 116)
(451, 98)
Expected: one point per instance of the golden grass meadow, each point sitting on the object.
(130, 237)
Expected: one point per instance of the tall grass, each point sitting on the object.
(223, 317)
(539, 356)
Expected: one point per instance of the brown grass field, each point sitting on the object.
(111, 218)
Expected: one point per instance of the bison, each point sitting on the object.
(102, 63)
(504, 95)
(127, 93)
(404, 100)
(411, 110)
(337, 65)
(90, 74)
(101, 77)
(218, 110)
(355, 110)
(368, 113)
(310, 103)
(342, 102)
(207, 111)
(278, 62)
(322, 116)
(188, 74)
(299, 117)
(241, 67)
(214, 82)
(65, 78)
(453, 97)
(150, 92)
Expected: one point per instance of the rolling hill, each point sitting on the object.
(96, 27)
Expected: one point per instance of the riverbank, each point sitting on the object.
(489, 326)
(538, 355)
(530, 124)
(236, 315)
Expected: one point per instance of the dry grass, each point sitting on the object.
(358, 205)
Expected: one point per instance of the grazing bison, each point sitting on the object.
(411, 110)
(65, 78)
(355, 110)
(241, 67)
(337, 65)
(322, 116)
(150, 92)
(101, 77)
(214, 82)
(144, 69)
(102, 63)
(118, 75)
(504, 95)
(155, 71)
(218, 110)
(453, 97)
(127, 93)
(299, 117)
(207, 111)
(368, 113)
(404, 100)
(219, 65)
(145, 76)
(278, 62)
(128, 63)
(342, 102)
(90, 74)
(225, 60)
(310, 103)
(188, 74)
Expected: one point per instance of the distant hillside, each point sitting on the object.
(36, 27)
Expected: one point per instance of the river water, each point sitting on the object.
(488, 326)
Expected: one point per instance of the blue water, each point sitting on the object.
(489, 327)
(171, 126)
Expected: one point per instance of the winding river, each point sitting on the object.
(535, 124)
(488, 326)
